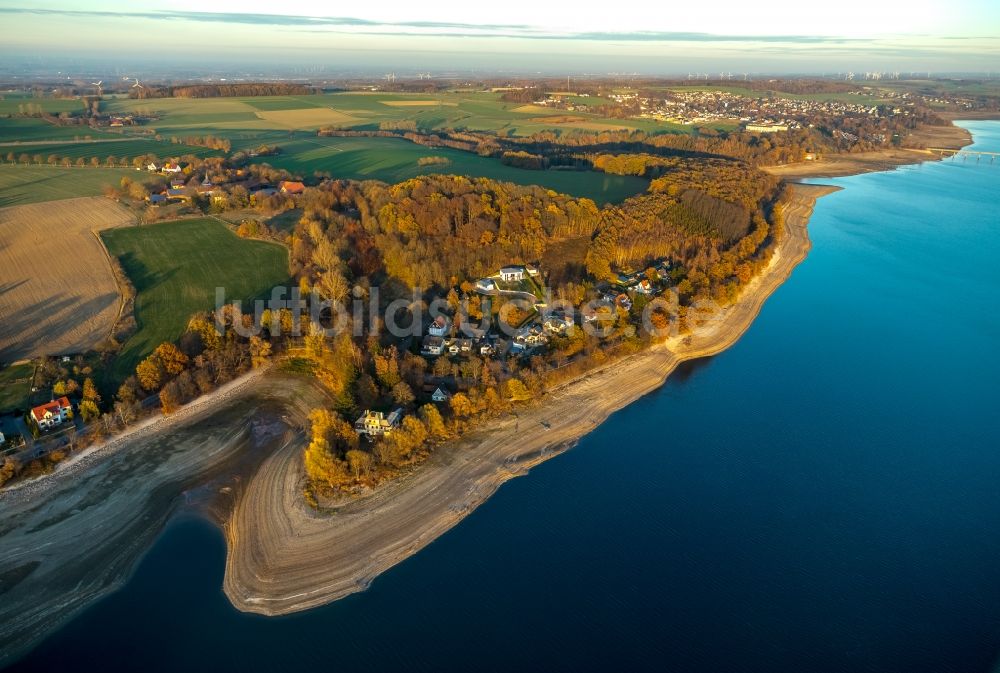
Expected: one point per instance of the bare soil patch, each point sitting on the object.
(57, 292)
(313, 117)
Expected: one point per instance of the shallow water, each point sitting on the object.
(821, 497)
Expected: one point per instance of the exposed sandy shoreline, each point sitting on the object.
(284, 557)
(157, 423)
(74, 536)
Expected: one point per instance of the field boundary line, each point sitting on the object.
(111, 267)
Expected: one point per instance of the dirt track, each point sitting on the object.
(57, 292)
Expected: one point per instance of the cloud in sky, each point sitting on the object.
(632, 31)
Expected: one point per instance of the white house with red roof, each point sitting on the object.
(52, 413)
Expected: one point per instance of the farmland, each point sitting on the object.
(21, 185)
(15, 386)
(57, 292)
(129, 146)
(13, 103)
(33, 130)
(176, 266)
(473, 110)
(394, 160)
(291, 122)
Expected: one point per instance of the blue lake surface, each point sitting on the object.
(823, 496)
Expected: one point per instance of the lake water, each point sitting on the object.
(824, 496)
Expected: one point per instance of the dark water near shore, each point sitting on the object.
(824, 496)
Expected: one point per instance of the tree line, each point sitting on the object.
(222, 90)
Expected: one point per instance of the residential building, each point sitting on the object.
(440, 395)
(512, 274)
(378, 423)
(432, 345)
(557, 323)
(766, 128)
(642, 287)
(439, 327)
(262, 193)
(52, 413)
(291, 187)
(486, 285)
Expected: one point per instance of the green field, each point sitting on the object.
(9, 102)
(130, 147)
(394, 160)
(15, 386)
(176, 266)
(32, 184)
(935, 87)
(16, 129)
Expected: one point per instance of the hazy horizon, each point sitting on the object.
(777, 37)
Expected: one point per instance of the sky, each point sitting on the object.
(525, 36)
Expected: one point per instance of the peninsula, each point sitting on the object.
(499, 293)
(74, 535)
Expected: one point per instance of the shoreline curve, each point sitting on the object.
(283, 557)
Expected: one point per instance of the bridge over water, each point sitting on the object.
(963, 153)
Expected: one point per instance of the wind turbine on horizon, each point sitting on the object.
(98, 84)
